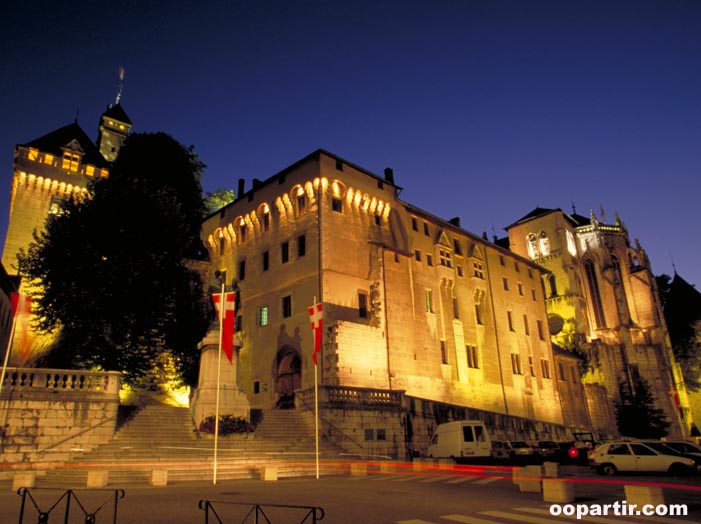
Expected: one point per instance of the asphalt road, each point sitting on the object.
(400, 498)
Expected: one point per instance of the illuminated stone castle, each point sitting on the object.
(52, 168)
(426, 320)
(419, 314)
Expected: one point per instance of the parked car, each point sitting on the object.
(664, 447)
(612, 457)
(501, 450)
(690, 450)
(548, 449)
(521, 448)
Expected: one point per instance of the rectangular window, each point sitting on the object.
(534, 295)
(336, 205)
(459, 269)
(263, 316)
(541, 333)
(516, 364)
(478, 270)
(525, 325)
(417, 255)
(428, 295)
(520, 289)
(429, 260)
(285, 252)
(369, 434)
(573, 372)
(89, 170)
(301, 204)
(472, 361)
(530, 273)
(242, 233)
(426, 229)
(339, 165)
(266, 260)
(530, 366)
(456, 309)
(444, 356)
(301, 245)
(239, 322)
(511, 322)
(286, 306)
(501, 260)
(457, 248)
(381, 434)
(445, 258)
(49, 160)
(266, 221)
(414, 224)
(517, 267)
(478, 314)
(363, 305)
(545, 368)
(256, 387)
(562, 372)
(505, 282)
(33, 154)
(242, 269)
(378, 222)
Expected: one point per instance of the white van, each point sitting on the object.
(460, 439)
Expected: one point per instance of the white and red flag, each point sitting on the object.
(21, 305)
(316, 316)
(229, 322)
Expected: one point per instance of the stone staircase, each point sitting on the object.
(162, 437)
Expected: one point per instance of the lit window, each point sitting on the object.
(428, 297)
(33, 154)
(263, 316)
(544, 244)
(70, 162)
(89, 170)
(48, 159)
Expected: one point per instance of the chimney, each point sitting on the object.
(455, 221)
(242, 183)
(389, 175)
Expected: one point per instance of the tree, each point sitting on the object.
(682, 311)
(636, 414)
(218, 199)
(112, 269)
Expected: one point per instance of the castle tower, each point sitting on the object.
(112, 132)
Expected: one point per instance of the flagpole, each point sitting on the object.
(15, 315)
(216, 408)
(316, 406)
(9, 344)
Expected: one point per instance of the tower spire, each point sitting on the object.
(119, 87)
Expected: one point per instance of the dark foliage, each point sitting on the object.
(636, 414)
(228, 425)
(112, 269)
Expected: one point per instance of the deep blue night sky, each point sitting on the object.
(485, 109)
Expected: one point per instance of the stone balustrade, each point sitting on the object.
(42, 381)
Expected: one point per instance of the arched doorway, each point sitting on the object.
(289, 377)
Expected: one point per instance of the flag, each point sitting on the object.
(227, 334)
(21, 305)
(316, 317)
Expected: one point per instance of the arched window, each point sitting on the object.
(532, 246)
(593, 283)
(544, 244)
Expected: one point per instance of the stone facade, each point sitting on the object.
(412, 303)
(603, 304)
